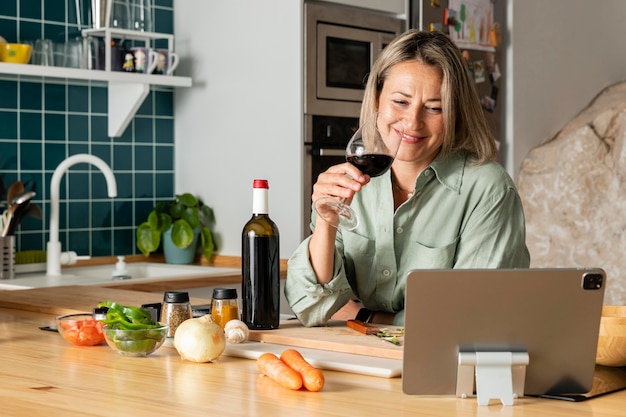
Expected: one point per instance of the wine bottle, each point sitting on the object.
(260, 289)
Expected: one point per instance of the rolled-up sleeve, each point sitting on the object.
(311, 302)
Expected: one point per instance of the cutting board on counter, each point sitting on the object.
(76, 299)
(323, 359)
(335, 336)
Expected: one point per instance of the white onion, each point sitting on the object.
(236, 331)
(199, 339)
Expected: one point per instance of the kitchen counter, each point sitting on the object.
(42, 374)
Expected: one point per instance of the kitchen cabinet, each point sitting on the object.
(126, 91)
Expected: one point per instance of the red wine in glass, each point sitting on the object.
(372, 150)
(372, 164)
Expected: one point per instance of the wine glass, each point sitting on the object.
(372, 150)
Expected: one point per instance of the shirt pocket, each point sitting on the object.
(426, 257)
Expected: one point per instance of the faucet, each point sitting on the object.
(53, 256)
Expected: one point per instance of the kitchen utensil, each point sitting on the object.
(372, 150)
(14, 190)
(167, 61)
(382, 333)
(100, 13)
(73, 54)
(16, 53)
(17, 201)
(141, 15)
(7, 257)
(43, 53)
(120, 14)
(140, 342)
(334, 336)
(80, 329)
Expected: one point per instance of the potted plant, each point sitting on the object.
(182, 219)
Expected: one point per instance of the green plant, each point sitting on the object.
(184, 214)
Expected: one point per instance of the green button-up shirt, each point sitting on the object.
(461, 215)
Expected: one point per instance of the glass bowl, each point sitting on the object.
(80, 329)
(141, 342)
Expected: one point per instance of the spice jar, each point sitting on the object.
(176, 309)
(224, 306)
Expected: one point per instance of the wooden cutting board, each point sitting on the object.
(335, 336)
(76, 299)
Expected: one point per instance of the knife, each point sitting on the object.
(369, 329)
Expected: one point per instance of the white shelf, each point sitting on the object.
(93, 75)
(126, 91)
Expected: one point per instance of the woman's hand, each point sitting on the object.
(339, 181)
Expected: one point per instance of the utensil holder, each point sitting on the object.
(7, 257)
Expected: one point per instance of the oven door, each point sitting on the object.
(324, 146)
(344, 59)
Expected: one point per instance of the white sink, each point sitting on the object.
(101, 274)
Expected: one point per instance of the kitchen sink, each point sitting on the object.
(103, 274)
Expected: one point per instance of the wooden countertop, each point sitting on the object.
(42, 374)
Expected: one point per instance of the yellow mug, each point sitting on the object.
(16, 53)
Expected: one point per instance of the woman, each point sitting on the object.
(443, 204)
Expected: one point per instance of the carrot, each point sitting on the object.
(270, 365)
(312, 378)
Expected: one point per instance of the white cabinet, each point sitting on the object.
(126, 91)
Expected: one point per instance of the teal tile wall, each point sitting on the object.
(42, 123)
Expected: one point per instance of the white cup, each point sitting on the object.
(167, 61)
(144, 60)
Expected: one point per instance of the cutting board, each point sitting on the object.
(335, 336)
(323, 359)
(76, 299)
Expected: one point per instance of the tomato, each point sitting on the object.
(82, 332)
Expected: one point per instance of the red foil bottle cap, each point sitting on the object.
(260, 184)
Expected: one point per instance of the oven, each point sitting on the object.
(325, 143)
(341, 44)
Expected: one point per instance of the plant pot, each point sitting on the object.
(174, 254)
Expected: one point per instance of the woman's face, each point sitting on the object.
(411, 95)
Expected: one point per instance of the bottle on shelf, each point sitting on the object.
(260, 264)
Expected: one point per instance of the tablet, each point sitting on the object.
(551, 314)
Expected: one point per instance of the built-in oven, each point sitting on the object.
(341, 44)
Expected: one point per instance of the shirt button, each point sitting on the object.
(386, 272)
(427, 173)
(399, 230)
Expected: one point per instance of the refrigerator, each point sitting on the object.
(475, 27)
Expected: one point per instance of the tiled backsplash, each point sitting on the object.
(42, 123)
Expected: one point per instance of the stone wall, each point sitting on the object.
(573, 189)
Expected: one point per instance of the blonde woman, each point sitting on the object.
(443, 204)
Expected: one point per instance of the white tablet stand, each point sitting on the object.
(499, 375)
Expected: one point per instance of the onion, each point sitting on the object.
(236, 331)
(199, 339)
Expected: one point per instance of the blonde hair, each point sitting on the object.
(465, 127)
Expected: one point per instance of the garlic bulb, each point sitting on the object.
(236, 331)
(199, 339)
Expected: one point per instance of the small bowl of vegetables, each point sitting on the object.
(131, 331)
(135, 342)
(80, 329)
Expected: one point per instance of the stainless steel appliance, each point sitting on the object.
(341, 44)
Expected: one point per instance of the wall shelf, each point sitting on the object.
(126, 91)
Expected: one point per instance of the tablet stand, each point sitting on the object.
(499, 375)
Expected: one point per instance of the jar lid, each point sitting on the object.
(224, 293)
(176, 297)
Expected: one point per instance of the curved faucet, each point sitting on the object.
(53, 261)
